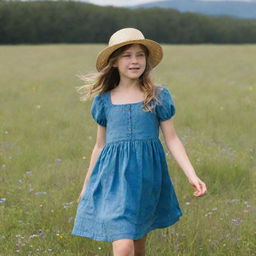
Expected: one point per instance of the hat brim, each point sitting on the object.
(155, 52)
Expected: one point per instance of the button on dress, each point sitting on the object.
(129, 192)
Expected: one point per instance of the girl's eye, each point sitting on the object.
(129, 55)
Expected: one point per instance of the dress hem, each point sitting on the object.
(126, 235)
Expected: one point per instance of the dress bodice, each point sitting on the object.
(130, 121)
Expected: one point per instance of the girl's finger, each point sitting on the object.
(196, 192)
(198, 187)
(204, 189)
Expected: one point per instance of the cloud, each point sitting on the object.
(227, 0)
(120, 2)
(137, 2)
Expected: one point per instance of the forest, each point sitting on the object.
(37, 22)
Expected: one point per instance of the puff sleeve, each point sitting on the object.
(166, 109)
(97, 110)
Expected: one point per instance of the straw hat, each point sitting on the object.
(129, 36)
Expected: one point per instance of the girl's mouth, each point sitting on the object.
(134, 68)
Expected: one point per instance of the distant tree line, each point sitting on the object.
(78, 22)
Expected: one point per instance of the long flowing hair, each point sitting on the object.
(108, 78)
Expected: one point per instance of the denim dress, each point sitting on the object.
(129, 192)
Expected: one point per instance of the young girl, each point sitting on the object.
(127, 190)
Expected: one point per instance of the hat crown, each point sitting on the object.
(128, 36)
(124, 35)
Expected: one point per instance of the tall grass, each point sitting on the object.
(47, 135)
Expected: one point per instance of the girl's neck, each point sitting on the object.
(128, 85)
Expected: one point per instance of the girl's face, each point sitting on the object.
(131, 63)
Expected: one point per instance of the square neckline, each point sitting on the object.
(124, 104)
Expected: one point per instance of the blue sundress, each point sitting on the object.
(129, 192)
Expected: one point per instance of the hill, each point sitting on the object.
(238, 9)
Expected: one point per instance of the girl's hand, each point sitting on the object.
(199, 186)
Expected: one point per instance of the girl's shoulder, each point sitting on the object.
(159, 86)
(100, 97)
(97, 109)
(162, 91)
(165, 108)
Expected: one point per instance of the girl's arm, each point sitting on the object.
(178, 151)
(100, 142)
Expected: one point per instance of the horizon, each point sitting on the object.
(138, 2)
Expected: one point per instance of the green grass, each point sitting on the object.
(47, 135)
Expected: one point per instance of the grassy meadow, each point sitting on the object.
(47, 136)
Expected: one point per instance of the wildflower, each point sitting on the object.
(2, 199)
(58, 160)
(247, 204)
(236, 221)
(66, 205)
(29, 173)
(229, 151)
(33, 235)
(209, 213)
(30, 187)
(59, 235)
(234, 201)
(40, 193)
(164, 235)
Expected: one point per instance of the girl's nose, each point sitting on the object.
(134, 59)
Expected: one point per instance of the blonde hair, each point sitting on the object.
(108, 78)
